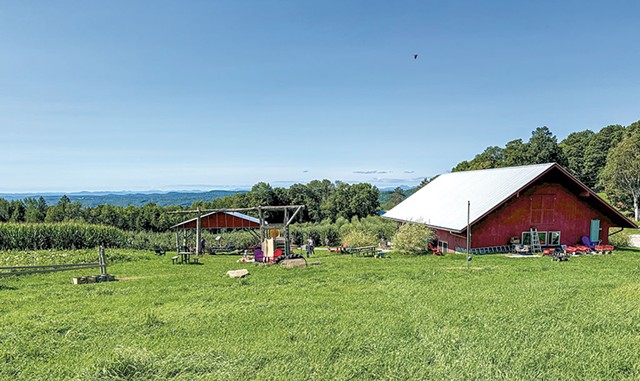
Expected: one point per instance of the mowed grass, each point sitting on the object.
(349, 318)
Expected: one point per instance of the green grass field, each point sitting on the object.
(401, 318)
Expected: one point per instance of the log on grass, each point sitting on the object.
(238, 273)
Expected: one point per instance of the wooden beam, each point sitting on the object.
(50, 270)
(77, 265)
(299, 208)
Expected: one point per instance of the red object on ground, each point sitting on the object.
(570, 249)
(604, 248)
(435, 250)
(583, 248)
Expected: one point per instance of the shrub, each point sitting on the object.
(413, 239)
(358, 238)
(620, 239)
(144, 240)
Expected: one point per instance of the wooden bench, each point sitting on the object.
(175, 259)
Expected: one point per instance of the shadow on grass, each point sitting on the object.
(3, 287)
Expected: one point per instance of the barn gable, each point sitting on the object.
(218, 220)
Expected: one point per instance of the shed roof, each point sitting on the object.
(217, 220)
(443, 202)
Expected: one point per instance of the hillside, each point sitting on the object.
(88, 199)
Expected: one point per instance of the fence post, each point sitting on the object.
(103, 265)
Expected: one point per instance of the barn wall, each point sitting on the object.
(452, 240)
(221, 220)
(571, 215)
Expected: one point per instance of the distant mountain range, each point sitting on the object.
(92, 199)
(162, 198)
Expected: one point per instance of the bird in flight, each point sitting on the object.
(415, 56)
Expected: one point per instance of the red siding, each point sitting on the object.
(453, 240)
(547, 207)
(221, 220)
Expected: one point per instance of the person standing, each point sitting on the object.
(309, 246)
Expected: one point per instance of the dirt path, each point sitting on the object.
(634, 240)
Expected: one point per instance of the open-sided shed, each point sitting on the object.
(505, 203)
(233, 219)
(221, 220)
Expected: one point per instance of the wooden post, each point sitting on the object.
(103, 264)
(286, 233)
(185, 244)
(198, 233)
(261, 224)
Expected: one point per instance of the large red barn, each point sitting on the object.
(505, 203)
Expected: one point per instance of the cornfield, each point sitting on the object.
(59, 236)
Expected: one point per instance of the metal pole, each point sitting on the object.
(198, 224)
(468, 227)
(468, 232)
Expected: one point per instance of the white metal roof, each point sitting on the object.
(246, 217)
(443, 202)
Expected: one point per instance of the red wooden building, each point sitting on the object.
(505, 203)
(221, 220)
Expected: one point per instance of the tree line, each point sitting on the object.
(606, 161)
(324, 200)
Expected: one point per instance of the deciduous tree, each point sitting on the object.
(621, 173)
(574, 148)
(595, 156)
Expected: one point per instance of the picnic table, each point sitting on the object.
(185, 257)
(364, 251)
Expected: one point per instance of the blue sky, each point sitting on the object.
(141, 95)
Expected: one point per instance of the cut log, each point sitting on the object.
(238, 273)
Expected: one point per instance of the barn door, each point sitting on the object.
(594, 233)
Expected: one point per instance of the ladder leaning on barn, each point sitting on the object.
(535, 241)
